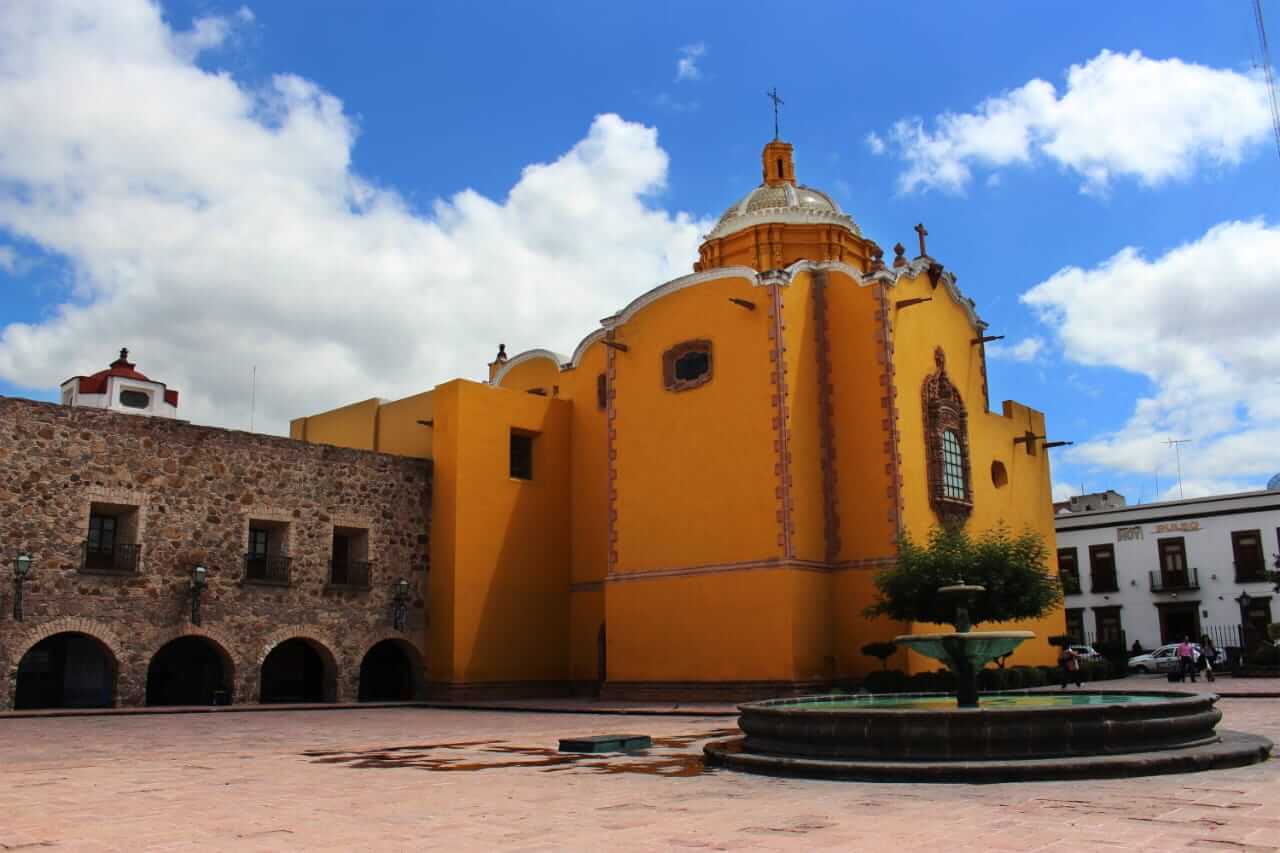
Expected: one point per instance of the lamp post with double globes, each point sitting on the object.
(199, 579)
(21, 569)
(400, 605)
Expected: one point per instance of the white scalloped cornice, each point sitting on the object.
(888, 276)
(785, 216)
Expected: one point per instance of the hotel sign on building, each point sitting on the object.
(1155, 573)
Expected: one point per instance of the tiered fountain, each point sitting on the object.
(995, 737)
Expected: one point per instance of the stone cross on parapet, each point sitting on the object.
(773, 96)
(920, 230)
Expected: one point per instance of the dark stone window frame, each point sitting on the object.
(679, 351)
(944, 412)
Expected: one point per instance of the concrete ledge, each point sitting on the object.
(1234, 749)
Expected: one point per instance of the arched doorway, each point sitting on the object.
(299, 670)
(388, 673)
(68, 670)
(189, 671)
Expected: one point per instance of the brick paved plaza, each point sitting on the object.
(412, 778)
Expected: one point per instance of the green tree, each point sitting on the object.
(881, 651)
(1014, 570)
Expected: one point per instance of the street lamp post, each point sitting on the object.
(21, 569)
(199, 579)
(400, 604)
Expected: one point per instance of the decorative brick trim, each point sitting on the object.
(711, 691)
(944, 411)
(669, 358)
(611, 432)
(222, 645)
(781, 435)
(889, 410)
(483, 691)
(754, 565)
(66, 625)
(325, 643)
(826, 418)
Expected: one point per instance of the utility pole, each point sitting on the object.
(1176, 444)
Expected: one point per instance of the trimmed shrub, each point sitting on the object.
(1013, 679)
(886, 681)
(1265, 655)
(1031, 676)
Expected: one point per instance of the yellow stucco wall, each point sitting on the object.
(502, 571)
(1026, 501)
(695, 469)
(758, 625)
(662, 526)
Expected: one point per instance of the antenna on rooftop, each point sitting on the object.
(1266, 70)
(1176, 444)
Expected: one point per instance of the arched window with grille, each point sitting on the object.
(946, 438)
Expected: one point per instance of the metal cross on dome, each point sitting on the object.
(772, 94)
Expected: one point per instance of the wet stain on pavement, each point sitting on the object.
(498, 755)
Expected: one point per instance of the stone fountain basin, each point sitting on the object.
(879, 727)
(979, 646)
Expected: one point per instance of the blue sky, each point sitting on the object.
(363, 199)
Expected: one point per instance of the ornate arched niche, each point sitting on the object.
(946, 440)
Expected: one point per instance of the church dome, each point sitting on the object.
(780, 199)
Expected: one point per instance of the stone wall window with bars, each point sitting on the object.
(1102, 569)
(349, 565)
(111, 542)
(266, 559)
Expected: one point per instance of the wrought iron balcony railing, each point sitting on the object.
(117, 559)
(267, 568)
(1070, 583)
(1175, 581)
(349, 573)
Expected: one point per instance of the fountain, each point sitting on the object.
(964, 651)
(1008, 736)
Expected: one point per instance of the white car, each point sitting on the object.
(1086, 652)
(1163, 659)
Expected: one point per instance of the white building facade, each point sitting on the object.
(1154, 573)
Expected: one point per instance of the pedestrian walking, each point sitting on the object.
(1208, 656)
(1187, 659)
(1069, 661)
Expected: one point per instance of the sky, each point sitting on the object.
(348, 200)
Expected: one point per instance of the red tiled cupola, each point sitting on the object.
(121, 387)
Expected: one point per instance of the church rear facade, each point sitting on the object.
(694, 502)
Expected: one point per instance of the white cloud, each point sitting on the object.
(1027, 349)
(211, 227)
(1120, 115)
(8, 259)
(1200, 323)
(687, 61)
(1063, 491)
(875, 143)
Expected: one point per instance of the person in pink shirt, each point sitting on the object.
(1187, 658)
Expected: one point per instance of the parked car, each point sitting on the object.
(1163, 659)
(1086, 652)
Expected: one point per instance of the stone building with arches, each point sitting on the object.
(694, 502)
(303, 548)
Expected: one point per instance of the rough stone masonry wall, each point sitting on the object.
(196, 488)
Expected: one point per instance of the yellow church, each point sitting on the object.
(694, 503)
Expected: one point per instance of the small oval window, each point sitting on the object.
(135, 399)
(999, 476)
